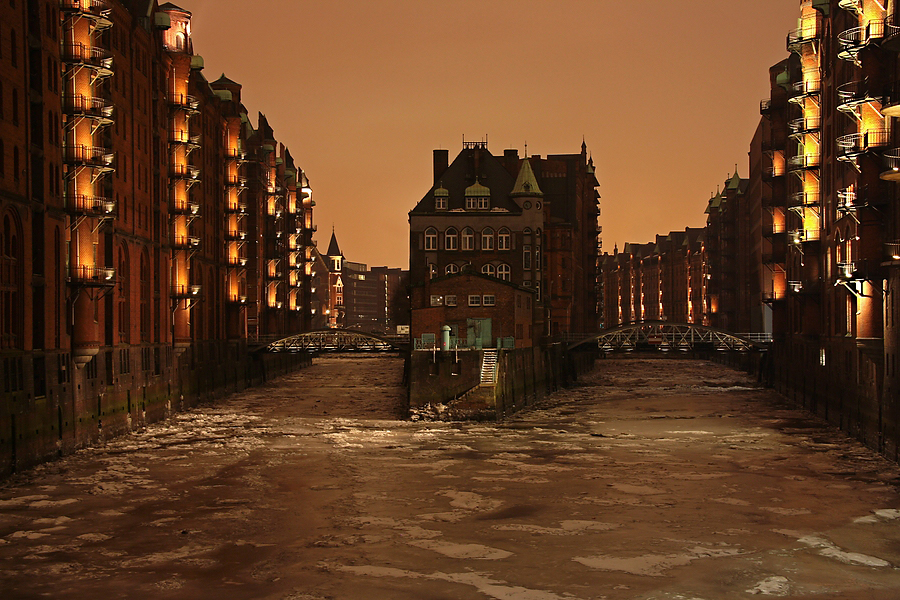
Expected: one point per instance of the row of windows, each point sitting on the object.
(474, 300)
(453, 240)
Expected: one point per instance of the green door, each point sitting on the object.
(478, 332)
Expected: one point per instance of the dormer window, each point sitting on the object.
(440, 202)
(484, 203)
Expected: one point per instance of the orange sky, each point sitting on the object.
(666, 95)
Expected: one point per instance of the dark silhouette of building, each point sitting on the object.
(531, 222)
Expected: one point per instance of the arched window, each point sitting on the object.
(487, 239)
(124, 299)
(431, 238)
(452, 268)
(179, 41)
(504, 272)
(145, 296)
(489, 269)
(503, 240)
(451, 239)
(11, 292)
(468, 239)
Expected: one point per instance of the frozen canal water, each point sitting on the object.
(655, 479)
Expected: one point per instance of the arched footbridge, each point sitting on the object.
(663, 335)
(339, 340)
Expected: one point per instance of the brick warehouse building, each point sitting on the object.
(148, 232)
(807, 249)
(529, 221)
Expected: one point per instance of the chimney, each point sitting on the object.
(441, 162)
(511, 161)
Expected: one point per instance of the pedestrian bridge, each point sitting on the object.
(339, 340)
(667, 336)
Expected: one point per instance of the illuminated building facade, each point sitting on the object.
(125, 229)
(807, 249)
(531, 222)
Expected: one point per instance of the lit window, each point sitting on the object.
(489, 269)
(437, 300)
(503, 240)
(450, 300)
(488, 300)
(468, 239)
(451, 269)
(450, 239)
(503, 272)
(474, 300)
(487, 239)
(431, 238)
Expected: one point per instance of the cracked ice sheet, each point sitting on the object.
(493, 588)
(654, 565)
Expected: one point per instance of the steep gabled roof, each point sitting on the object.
(526, 183)
(469, 165)
(333, 248)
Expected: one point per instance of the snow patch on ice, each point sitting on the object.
(653, 565)
(572, 527)
(472, 551)
(499, 590)
(773, 586)
(830, 550)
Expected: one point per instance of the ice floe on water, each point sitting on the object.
(653, 565)
(484, 584)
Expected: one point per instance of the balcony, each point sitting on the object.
(184, 102)
(804, 126)
(852, 145)
(98, 109)
(186, 242)
(803, 199)
(770, 173)
(804, 162)
(189, 208)
(237, 208)
(853, 40)
(188, 173)
(802, 90)
(237, 300)
(800, 236)
(91, 276)
(846, 271)
(237, 261)
(846, 201)
(96, 10)
(235, 235)
(184, 137)
(770, 296)
(236, 181)
(891, 160)
(273, 275)
(92, 57)
(851, 95)
(93, 206)
(181, 292)
(892, 250)
(854, 6)
(96, 157)
(804, 35)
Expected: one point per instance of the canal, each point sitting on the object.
(653, 479)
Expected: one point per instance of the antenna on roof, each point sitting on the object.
(526, 149)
